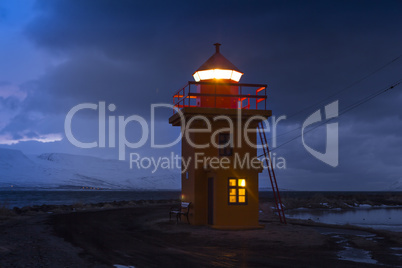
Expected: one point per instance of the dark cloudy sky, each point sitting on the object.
(57, 54)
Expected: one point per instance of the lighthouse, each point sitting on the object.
(219, 118)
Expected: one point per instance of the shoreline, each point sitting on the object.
(290, 199)
(139, 233)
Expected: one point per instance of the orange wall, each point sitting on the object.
(195, 188)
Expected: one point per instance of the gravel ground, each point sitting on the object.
(142, 236)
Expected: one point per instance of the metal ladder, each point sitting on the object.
(271, 172)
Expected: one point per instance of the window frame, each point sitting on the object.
(237, 187)
(228, 149)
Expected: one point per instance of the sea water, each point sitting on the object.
(21, 198)
(385, 218)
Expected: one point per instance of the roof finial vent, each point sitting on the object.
(217, 45)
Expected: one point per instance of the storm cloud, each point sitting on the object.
(135, 53)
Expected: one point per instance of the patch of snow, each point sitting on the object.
(56, 170)
(365, 206)
(396, 186)
(366, 235)
(398, 252)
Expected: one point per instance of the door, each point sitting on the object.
(210, 201)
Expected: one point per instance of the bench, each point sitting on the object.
(182, 210)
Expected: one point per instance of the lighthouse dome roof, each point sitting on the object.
(217, 67)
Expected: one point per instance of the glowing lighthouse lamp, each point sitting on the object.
(217, 67)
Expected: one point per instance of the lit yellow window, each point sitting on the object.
(237, 191)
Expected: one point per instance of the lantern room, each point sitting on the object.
(217, 69)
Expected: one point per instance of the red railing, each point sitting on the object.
(250, 96)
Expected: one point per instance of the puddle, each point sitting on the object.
(356, 255)
(342, 238)
(339, 231)
(348, 251)
(122, 266)
(371, 237)
(383, 218)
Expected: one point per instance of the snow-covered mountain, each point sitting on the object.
(396, 186)
(56, 170)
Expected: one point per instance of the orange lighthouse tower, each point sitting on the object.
(219, 118)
